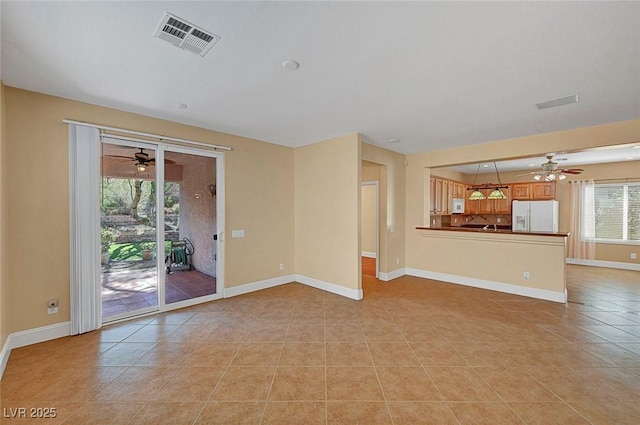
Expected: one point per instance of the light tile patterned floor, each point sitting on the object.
(412, 352)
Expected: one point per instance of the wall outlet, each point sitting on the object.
(499, 220)
(398, 260)
(281, 266)
(52, 310)
(237, 233)
(634, 256)
(526, 275)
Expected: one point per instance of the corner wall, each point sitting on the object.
(327, 215)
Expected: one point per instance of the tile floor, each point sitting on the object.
(412, 352)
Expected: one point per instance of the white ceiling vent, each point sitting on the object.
(187, 36)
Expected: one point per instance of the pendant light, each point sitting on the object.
(476, 195)
(497, 193)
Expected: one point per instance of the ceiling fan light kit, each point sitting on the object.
(550, 171)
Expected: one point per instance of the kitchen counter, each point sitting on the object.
(491, 230)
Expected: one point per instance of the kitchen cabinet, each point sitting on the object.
(442, 193)
(533, 191)
(544, 191)
(489, 206)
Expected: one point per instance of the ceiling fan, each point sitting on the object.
(550, 171)
(142, 160)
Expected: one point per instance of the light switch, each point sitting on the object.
(237, 233)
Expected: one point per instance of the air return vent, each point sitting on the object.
(187, 36)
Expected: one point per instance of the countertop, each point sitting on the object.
(491, 230)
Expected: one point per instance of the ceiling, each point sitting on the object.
(431, 74)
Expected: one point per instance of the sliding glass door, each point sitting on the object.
(159, 227)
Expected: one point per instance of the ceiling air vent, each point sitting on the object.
(187, 36)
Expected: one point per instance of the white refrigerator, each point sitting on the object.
(534, 216)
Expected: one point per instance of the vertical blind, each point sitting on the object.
(617, 212)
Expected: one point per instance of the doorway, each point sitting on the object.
(159, 218)
(369, 224)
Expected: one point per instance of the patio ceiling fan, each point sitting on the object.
(551, 172)
(141, 159)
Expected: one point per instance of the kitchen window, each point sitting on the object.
(617, 213)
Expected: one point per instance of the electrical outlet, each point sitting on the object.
(499, 220)
(52, 310)
(634, 256)
(281, 266)
(526, 275)
(398, 260)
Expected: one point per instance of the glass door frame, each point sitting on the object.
(134, 143)
(219, 157)
(160, 149)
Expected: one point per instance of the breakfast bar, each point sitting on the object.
(530, 264)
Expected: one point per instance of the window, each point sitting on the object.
(617, 212)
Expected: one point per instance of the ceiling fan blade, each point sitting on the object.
(166, 161)
(128, 158)
(572, 170)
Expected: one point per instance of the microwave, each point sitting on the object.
(457, 205)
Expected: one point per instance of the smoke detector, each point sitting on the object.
(185, 35)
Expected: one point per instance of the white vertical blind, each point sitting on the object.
(84, 225)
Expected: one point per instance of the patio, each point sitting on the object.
(131, 285)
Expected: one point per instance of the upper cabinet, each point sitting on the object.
(533, 191)
(443, 191)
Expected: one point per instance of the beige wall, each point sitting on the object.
(327, 211)
(4, 303)
(419, 168)
(368, 212)
(495, 257)
(259, 198)
(392, 205)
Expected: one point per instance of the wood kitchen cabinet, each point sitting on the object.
(544, 191)
(533, 191)
(442, 193)
(489, 206)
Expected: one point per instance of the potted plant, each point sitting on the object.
(147, 250)
(107, 237)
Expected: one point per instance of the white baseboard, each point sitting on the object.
(601, 263)
(257, 286)
(392, 275)
(44, 333)
(32, 336)
(543, 294)
(355, 294)
(369, 254)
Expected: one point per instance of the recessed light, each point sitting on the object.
(394, 140)
(531, 165)
(631, 157)
(558, 102)
(291, 65)
(182, 106)
(485, 165)
(636, 147)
